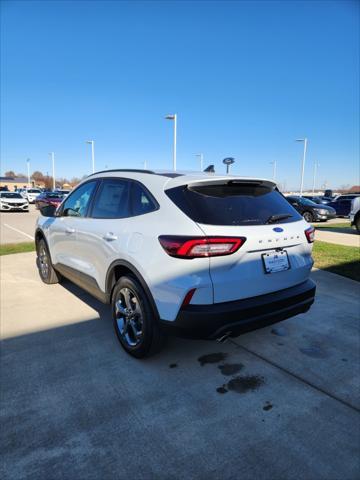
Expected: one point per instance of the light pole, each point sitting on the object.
(173, 117)
(316, 165)
(303, 163)
(28, 170)
(91, 142)
(52, 155)
(274, 169)
(201, 158)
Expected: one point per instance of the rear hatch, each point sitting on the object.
(275, 255)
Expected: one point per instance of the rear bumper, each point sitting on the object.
(233, 318)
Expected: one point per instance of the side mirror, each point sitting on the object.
(48, 211)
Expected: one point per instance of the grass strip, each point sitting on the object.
(9, 248)
(339, 259)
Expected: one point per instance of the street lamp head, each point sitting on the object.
(89, 141)
(170, 117)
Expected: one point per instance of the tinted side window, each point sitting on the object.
(112, 199)
(141, 200)
(77, 203)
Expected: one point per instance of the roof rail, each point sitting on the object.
(137, 170)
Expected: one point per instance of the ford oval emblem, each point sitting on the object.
(278, 229)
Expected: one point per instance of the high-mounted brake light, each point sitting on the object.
(197, 247)
(310, 234)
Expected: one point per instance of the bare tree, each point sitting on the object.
(38, 176)
(10, 173)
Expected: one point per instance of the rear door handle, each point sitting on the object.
(109, 237)
(69, 230)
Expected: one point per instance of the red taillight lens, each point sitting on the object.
(197, 247)
(310, 234)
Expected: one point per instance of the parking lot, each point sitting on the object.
(17, 227)
(278, 403)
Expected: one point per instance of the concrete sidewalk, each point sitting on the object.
(281, 403)
(349, 239)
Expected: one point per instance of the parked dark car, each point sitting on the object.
(311, 211)
(318, 200)
(327, 200)
(342, 204)
(48, 198)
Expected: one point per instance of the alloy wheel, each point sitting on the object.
(129, 317)
(44, 261)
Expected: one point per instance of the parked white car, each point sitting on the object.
(198, 255)
(31, 194)
(13, 201)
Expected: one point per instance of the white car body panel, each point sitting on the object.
(241, 275)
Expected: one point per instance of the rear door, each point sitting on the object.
(271, 226)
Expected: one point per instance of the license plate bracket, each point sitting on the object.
(275, 261)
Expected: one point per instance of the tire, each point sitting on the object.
(43, 261)
(138, 331)
(357, 223)
(308, 216)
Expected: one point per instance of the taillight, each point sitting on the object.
(196, 247)
(310, 234)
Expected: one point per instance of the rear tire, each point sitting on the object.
(308, 216)
(357, 223)
(43, 261)
(135, 322)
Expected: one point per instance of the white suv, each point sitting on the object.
(31, 194)
(199, 255)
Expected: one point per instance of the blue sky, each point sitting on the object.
(245, 78)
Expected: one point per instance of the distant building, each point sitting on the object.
(19, 182)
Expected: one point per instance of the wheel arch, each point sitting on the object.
(39, 235)
(120, 268)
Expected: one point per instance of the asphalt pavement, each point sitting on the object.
(17, 227)
(276, 404)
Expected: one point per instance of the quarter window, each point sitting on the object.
(141, 200)
(77, 203)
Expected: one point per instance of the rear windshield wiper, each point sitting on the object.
(279, 216)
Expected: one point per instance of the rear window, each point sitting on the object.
(233, 203)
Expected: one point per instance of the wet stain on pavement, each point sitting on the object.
(230, 368)
(222, 390)
(247, 383)
(212, 358)
(344, 359)
(279, 331)
(267, 406)
(314, 351)
(173, 365)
